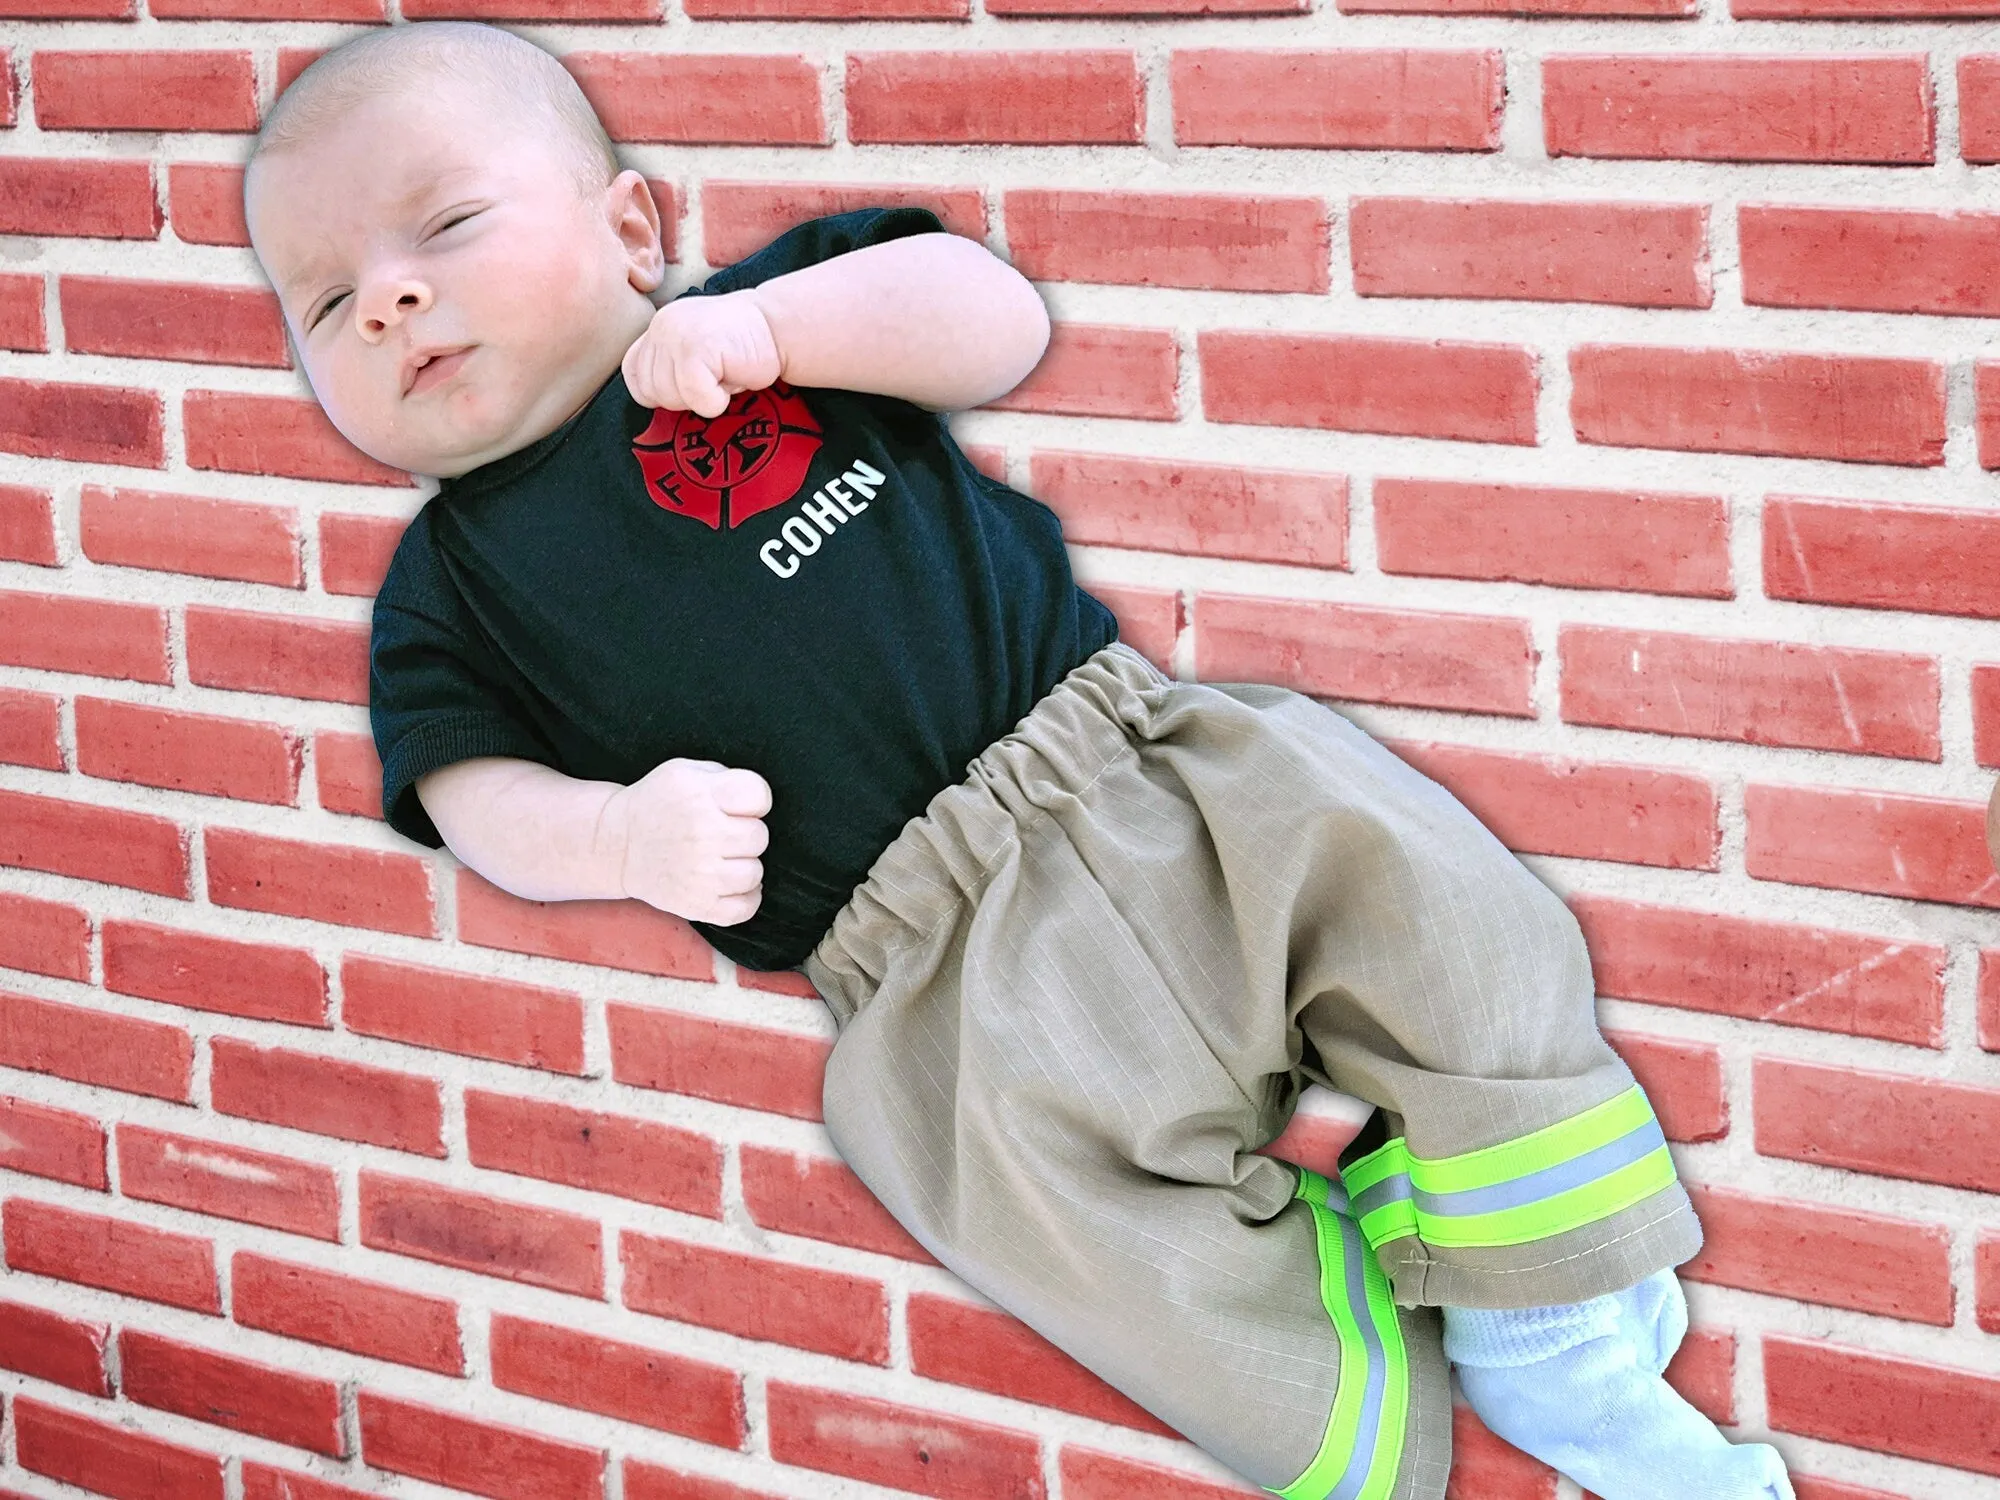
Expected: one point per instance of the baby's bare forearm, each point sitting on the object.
(528, 828)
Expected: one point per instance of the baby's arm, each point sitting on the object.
(935, 319)
(684, 837)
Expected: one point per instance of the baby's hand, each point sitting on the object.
(700, 351)
(691, 831)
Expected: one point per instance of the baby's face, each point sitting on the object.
(416, 226)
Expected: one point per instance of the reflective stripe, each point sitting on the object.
(1562, 1177)
(1363, 1447)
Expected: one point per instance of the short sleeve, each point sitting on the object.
(817, 240)
(435, 691)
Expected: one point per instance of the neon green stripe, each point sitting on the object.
(1396, 1399)
(1551, 1146)
(1345, 1420)
(1392, 1221)
(1571, 1210)
(1384, 1161)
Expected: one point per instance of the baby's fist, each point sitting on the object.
(691, 832)
(699, 351)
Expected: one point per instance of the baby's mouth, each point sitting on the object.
(438, 370)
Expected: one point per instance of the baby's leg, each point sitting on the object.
(1579, 1387)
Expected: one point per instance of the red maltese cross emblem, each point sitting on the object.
(728, 468)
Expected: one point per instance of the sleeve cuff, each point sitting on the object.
(441, 742)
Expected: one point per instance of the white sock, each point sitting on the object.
(1578, 1386)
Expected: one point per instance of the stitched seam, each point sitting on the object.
(1562, 1260)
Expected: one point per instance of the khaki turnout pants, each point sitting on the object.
(1081, 989)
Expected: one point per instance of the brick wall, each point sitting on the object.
(1594, 402)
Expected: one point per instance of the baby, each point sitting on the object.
(709, 610)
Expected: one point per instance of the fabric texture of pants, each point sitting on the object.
(1089, 981)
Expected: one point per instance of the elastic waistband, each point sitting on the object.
(943, 855)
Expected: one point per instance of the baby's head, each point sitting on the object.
(445, 186)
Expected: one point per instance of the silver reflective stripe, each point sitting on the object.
(1548, 1182)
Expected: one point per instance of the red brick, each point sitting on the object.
(92, 636)
(1832, 1256)
(1146, 7)
(1856, 408)
(1989, 999)
(50, 1347)
(1209, 241)
(108, 1459)
(163, 90)
(777, 982)
(1882, 260)
(1924, 848)
(286, 655)
(98, 199)
(261, 1481)
(1475, 663)
(755, 1297)
(1757, 692)
(174, 320)
(508, 1463)
(691, 98)
(1682, 1080)
(1986, 389)
(112, 1253)
(1426, 99)
(1572, 538)
(340, 1312)
(524, 1024)
(1485, 1468)
(1766, 971)
(830, 10)
(1979, 107)
(326, 1095)
(1703, 1370)
(652, 1387)
(188, 534)
(1636, 254)
(44, 937)
(23, 325)
(1201, 510)
(256, 980)
(1809, 1488)
(1075, 97)
(989, 1350)
(205, 202)
(750, 1066)
(740, 217)
(320, 882)
(30, 732)
(89, 424)
(901, 1446)
(1987, 1293)
(1538, 804)
(284, 436)
(230, 1392)
(820, 1198)
(1893, 1126)
(1149, 620)
(517, 1241)
(95, 1046)
(1092, 370)
(650, 1482)
(1740, 108)
(107, 844)
(1089, 1475)
(203, 753)
(1903, 1406)
(644, 1160)
(1882, 556)
(348, 773)
(354, 551)
(55, 1143)
(28, 526)
(1840, 10)
(229, 1182)
(1478, 393)
(612, 934)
